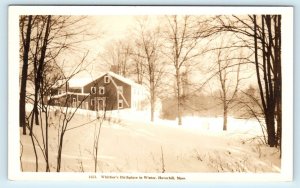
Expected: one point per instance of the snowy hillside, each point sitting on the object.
(129, 143)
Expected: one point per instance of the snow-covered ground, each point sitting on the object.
(130, 143)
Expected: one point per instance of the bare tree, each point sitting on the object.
(138, 68)
(250, 106)
(51, 37)
(182, 35)
(39, 58)
(262, 34)
(117, 56)
(97, 133)
(45, 116)
(148, 51)
(26, 46)
(64, 121)
(228, 73)
(39, 64)
(271, 69)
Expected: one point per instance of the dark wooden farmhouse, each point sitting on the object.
(109, 91)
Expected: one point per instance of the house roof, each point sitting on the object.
(73, 82)
(69, 93)
(119, 77)
(79, 82)
(83, 81)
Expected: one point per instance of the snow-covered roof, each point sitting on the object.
(79, 82)
(68, 93)
(119, 77)
(123, 79)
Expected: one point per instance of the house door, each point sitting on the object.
(100, 104)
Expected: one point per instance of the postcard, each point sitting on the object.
(150, 93)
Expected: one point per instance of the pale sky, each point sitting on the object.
(107, 29)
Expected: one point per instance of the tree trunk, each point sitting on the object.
(152, 95)
(36, 111)
(265, 95)
(267, 58)
(33, 143)
(225, 117)
(271, 93)
(60, 148)
(24, 77)
(271, 129)
(47, 142)
(278, 78)
(152, 107)
(179, 99)
(40, 69)
(279, 132)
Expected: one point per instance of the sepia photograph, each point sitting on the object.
(151, 93)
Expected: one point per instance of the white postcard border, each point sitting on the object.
(14, 172)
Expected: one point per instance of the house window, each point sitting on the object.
(106, 79)
(74, 102)
(92, 102)
(101, 90)
(93, 90)
(120, 89)
(120, 103)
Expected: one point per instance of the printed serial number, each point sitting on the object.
(92, 176)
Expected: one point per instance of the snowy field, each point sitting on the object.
(130, 143)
